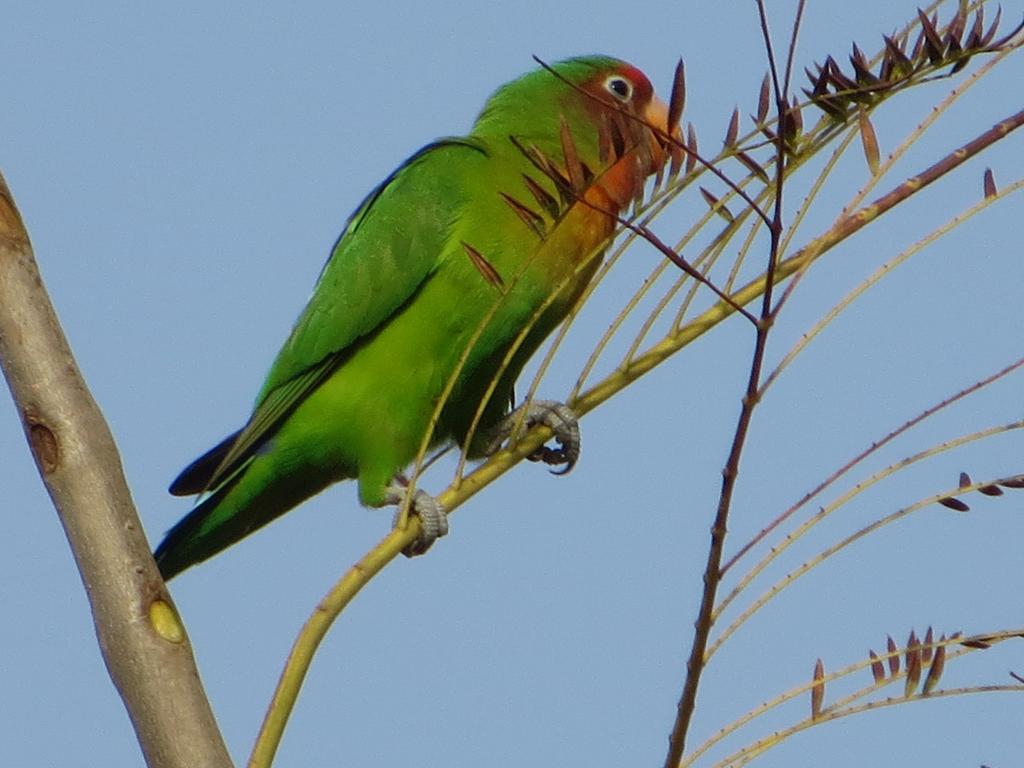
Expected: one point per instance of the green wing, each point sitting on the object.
(390, 246)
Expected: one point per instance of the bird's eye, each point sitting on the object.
(619, 87)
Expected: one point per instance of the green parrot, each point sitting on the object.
(449, 274)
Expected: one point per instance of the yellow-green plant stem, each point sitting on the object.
(349, 585)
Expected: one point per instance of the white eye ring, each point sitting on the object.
(619, 87)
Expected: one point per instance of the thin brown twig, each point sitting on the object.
(787, 80)
(713, 572)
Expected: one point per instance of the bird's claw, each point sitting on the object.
(557, 416)
(433, 520)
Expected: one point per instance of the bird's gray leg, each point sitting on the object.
(551, 413)
(433, 520)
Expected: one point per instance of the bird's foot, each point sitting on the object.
(433, 520)
(559, 418)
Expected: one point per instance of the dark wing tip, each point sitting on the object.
(196, 477)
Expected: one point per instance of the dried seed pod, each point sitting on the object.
(762, 98)
(976, 643)
(877, 670)
(955, 504)
(869, 141)
(485, 267)
(913, 660)
(915, 53)
(989, 183)
(605, 149)
(691, 148)
(895, 63)
(753, 166)
(933, 46)
(955, 28)
(795, 113)
(894, 659)
(543, 197)
(733, 130)
(543, 164)
(861, 68)
(677, 157)
(935, 670)
(987, 38)
(843, 85)
(573, 165)
(716, 205)
(818, 689)
(974, 37)
(528, 216)
(677, 100)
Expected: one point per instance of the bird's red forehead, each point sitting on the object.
(638, 78)
(641, 85)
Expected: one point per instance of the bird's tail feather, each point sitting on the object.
(196, 477)
(257, 492)
(201, 533)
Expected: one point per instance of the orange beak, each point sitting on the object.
(656, 115)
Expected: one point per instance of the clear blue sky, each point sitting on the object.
(184, 169)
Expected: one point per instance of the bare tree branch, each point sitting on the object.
(142, 640)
